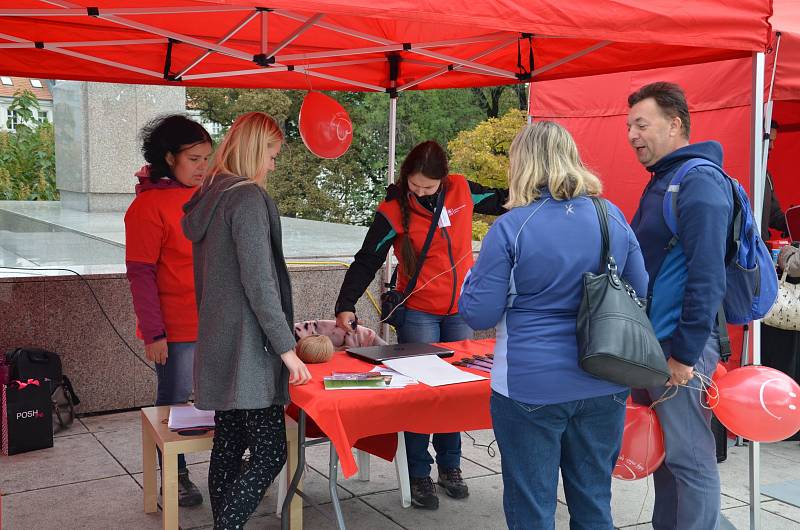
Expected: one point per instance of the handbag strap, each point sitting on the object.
(606, 259)
(424, 252)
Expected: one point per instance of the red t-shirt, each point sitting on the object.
(153, 235)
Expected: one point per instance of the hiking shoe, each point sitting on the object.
(423, 494)
(453, 483)
(188, 494)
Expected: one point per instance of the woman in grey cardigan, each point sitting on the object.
(245, 356)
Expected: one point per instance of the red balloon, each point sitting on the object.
(719, 372)
(642, 443)
(325, 126)
(758, 403)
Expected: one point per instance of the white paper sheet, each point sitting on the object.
(187, 417)
(398, 380)
(431, 370)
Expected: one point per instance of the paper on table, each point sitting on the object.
(398, 380)
(431, 370)
(187, 417)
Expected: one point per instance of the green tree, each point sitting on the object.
(27, 156)
(223, 105)
(482, 155)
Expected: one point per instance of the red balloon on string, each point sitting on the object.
(758, 403)
(325, 126)
(642, 443)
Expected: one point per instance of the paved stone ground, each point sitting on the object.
(91, 479)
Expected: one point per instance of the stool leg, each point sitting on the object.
(401, 465)
(169, 488)
(149, 469)
(282, 485)
(363, 465)
(293, 450)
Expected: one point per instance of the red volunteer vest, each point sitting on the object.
(450, 254)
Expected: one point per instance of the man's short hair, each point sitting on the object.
(774, 125)
(670, 99)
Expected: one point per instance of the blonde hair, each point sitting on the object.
(544, 155)
(314, 349)
(243, 151)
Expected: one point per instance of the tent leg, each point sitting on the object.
(757, 192)
(387, 268)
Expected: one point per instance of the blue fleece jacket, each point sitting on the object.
(528, 284)
(687, 287)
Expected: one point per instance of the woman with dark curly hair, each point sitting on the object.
(158, 258)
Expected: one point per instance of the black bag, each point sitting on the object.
(36, 363)
(393, 312)
(616, 341)
(27, 423)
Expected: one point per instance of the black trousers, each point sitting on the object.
(237, 486)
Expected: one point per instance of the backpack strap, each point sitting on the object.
(670, 209)
(670, 206)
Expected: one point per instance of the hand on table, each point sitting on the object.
(298, 371)
(346, 320)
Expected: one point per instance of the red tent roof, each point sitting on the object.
(347, 44)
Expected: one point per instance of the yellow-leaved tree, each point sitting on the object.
(481, 154)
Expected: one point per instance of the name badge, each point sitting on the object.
(444, 219)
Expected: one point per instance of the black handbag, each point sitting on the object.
(393, 312)
(616, 341)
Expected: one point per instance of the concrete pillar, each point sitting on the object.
(97, 150)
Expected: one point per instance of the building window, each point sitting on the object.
(35, 83)
(42, 116)
(6, 81)
(12, 120)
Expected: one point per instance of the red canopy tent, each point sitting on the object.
(388, 46)
(348, 44)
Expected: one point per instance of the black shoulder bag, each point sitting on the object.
(393, 312)
(616, 341)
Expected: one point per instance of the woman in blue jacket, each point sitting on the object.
(528, 282)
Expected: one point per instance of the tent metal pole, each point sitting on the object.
(757, 192)
(768, 106)
(387, 268)
(530, 92)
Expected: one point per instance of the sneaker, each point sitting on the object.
(453, 483)
(188, 494)
(423, 494)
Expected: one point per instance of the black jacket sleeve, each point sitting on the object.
(488, 201)
(366, 263)
(777, 219)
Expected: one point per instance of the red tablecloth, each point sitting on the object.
(347, 416)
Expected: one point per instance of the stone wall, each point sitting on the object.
(59, 313)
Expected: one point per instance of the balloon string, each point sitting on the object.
(418, 289)
(707, 385)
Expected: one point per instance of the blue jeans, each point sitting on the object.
(175, 379)
(425, 327)
(582, 437)
(687, 484)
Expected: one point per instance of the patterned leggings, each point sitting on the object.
(237, 486)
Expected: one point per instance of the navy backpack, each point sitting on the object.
(752, 284)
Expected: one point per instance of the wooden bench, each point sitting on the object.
(155, 433)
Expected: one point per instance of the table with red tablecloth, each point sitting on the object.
(346, 416)
(371, 419)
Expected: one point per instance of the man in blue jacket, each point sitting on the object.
(686, 288)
